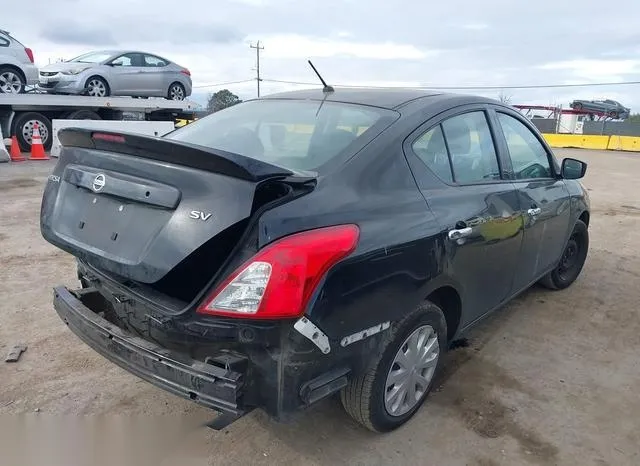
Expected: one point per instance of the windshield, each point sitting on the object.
(296, 134)
(92, 57)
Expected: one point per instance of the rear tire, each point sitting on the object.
(12, 80)
(176, 92)
(364, 396)
(572, 260)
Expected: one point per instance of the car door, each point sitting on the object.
(543, 196)
(157, 75)
(476, 207)
(126, 74)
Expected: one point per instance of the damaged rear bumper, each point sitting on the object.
(218, 388)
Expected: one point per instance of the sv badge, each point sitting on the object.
(198, 215)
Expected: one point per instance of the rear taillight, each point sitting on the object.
(29, 53)
(186, 71)
(277, 283)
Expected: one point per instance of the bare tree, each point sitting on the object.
(504, 98)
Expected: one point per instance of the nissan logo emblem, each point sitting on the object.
(98, 182)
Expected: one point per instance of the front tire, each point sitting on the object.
(572, 260)
(97, 87)
(400, 378)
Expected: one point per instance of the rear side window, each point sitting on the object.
(296, 134)
(151, 60)
(464, 143)
(4, 42)
(432, 150)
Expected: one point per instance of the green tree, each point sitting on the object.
(634, 118)
(222, 99)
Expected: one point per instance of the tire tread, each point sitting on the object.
(356, 397)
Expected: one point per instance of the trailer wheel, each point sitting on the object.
(23, 129)
(82, 115)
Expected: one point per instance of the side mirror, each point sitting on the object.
(573, 169)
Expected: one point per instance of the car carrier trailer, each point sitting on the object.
(20, 112)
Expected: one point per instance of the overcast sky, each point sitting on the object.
(358, 42)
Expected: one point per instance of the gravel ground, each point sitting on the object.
(550, 379)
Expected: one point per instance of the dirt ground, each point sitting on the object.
(550, 379)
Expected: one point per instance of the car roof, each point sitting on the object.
(118, 52)
(390, 98)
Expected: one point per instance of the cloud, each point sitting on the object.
(452, 43)
(126, 31)
(294, 46)
(594, 68)
(78, 34)
(475, 26)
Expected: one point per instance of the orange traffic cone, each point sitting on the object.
(15, 153)
(37, 149)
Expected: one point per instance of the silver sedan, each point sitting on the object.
(117, 73)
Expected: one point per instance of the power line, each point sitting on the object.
(223, 84)
(531, 86)
(258, 47)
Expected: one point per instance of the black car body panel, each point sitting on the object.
(514, 225)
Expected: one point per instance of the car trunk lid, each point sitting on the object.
(138, 206)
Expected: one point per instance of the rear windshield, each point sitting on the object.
(296, 134)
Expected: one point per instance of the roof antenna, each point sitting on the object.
(326, 88)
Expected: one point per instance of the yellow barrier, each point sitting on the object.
(628, 143)
(181, 122)
(581, 141)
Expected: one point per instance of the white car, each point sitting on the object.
(17, 68)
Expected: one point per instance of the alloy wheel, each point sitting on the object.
(176, 92)
(10, 83)
(96, 88)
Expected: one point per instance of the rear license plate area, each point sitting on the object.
(107, 225)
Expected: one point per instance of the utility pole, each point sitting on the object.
(258, 47)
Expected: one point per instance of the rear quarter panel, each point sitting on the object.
(399, 250)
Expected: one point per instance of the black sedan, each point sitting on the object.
(308, 243)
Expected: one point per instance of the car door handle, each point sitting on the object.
(460, 233)
(534, 211)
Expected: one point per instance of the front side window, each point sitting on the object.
(297, 134)
(471, 148)
(528, 156)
